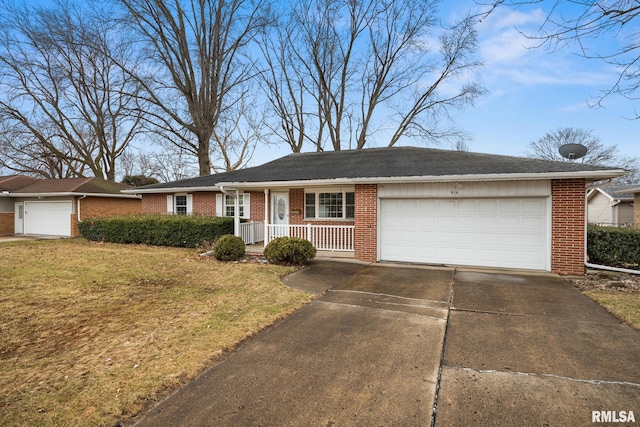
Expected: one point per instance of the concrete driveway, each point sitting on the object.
(385, 345)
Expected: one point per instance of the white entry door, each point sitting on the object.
(280, 214)
(18, 227)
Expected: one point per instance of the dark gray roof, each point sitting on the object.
(384, 163)
(618, 191)
(199, 181)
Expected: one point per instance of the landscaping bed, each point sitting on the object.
(617, 292)
(95, 333)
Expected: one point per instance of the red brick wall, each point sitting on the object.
(94, 207)
(257, 205)
(154, 203)
(6, 223)
(203, 204)
(568, 226)
(366, 222)
(103, 206)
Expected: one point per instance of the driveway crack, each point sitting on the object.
(444, 342)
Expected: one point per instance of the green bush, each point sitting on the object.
(612, 246)
(289, 251)
(228, 248)
(160, 230)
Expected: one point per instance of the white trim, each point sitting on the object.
(66, 194)
(171, 190)
(596, 175)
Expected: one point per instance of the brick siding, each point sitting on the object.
(6, 223)
(203, 203)
(154, 203)
(96, 207)
(366, 222)
(568, 226)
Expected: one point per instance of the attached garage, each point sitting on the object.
(48, 218)
(502, 225)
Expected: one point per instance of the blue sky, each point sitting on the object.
(532, 91)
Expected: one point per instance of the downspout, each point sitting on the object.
(586, 257)
(78, 213)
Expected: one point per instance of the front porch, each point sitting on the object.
(256, 249)
(334, 241)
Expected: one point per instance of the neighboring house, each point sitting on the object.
(54, 206)
(404, 204)
(636, 205)
(610, 205)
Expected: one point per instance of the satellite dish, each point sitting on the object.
(572, 151)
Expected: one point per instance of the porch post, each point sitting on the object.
(266, 216)
(236, 214)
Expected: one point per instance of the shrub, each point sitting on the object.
(228, 248)
(615, 247)
(289, 250)
(160, 230)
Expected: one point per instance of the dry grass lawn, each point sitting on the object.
(94, 333)
(617, 292)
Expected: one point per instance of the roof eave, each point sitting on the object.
(68, 194)
(593, 175)
(171, 190)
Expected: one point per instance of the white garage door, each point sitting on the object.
(52, 218)
(494, 232)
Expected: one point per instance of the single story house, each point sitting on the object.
(610, 205)
(55, 206)
(404, 204)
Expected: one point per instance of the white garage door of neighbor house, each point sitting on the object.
(492, 232)
(51, 218)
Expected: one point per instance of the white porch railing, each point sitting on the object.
(252, 232)
(323, 237)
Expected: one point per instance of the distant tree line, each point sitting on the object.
(141, 87)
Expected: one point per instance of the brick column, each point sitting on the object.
(366, 222)
(568, 226)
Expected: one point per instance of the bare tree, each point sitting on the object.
(582, 25)
(340, 72)
(200, 47)
(69, 107)
(547, 148)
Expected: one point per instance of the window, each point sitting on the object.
(225, 205)
(229, 205)
(336, 205)
(180, 204)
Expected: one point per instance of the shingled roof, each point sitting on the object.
(15, 182)
(393, 163)
(73, 185)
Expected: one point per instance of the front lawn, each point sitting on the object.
(93, 333)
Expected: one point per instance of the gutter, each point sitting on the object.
(171, 190)
(123, 196)
(595, 175)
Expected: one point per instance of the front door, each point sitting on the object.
(280, 214)
(18, 227)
